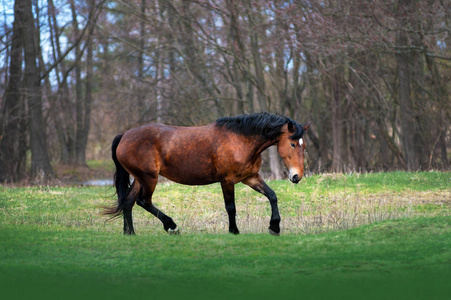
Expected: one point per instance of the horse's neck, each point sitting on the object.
(263, 145)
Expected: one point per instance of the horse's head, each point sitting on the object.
(291, 148)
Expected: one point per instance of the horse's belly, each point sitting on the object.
(190, 180)
(191, 172)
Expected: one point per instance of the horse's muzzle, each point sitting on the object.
(295, 178)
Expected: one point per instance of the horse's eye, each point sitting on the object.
(293, 145)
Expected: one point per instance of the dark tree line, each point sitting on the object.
(373, 76)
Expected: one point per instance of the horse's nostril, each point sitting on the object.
(295, 178)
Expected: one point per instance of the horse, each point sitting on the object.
(227, 151)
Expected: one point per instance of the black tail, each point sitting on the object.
(121, 182)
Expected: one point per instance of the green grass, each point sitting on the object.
(407, 257)
(380, 182)
(54, 244)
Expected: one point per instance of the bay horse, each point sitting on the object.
(227, 151)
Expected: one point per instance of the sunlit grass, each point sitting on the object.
(318, 204)
(55, 244)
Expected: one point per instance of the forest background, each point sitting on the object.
(373, 76)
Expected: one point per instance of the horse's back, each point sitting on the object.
(188, 155)
(181, 154)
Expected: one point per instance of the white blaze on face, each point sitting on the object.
(301, 141)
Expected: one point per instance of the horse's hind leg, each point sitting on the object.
(127, 211)
(128, 223)
(168, 223)
(145, 201)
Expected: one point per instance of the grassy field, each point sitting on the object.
(355, 236)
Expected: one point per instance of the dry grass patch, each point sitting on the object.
(318, 204)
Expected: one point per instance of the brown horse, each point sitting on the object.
(227, 151)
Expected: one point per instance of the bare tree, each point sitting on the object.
(372, 76)
(13, 115)
(40, 162)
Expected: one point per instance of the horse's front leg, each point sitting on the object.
(228, 190)
(258, 184)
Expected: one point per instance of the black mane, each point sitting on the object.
(264, 124)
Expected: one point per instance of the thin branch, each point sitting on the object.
(90, 19)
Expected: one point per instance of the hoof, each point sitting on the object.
(174, 231)
(234, 231)
(272, 232)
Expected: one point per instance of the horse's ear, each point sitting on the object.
(306, 126)
(290, 126)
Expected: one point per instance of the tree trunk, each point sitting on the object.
(83, 131)
(236, 48)
(337, 123)
(405, 101)
(258, 68)
(441, 104)
(61, 108)
(142, 31)
(241, 69)
(41, 169)
(83, 104)
(77, 145)
(12, 116)
(321, 115)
